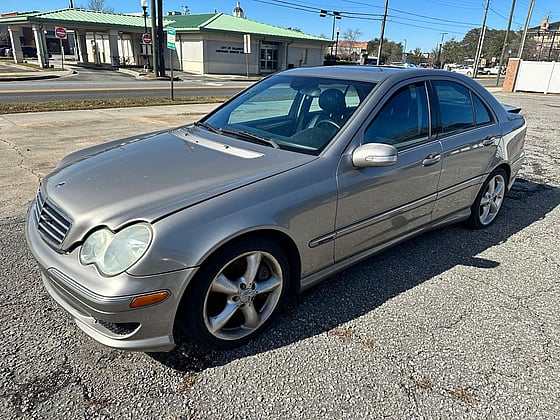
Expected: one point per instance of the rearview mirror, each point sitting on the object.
(374, 154)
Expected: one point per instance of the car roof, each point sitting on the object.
(362, 73)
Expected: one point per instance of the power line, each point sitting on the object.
(363, 15)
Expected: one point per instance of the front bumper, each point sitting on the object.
(101, 305)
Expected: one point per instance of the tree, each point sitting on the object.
(392, 51)
(416, 56)
(99, 6)
(351, 36)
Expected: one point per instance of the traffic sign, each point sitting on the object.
(60, 32)
(247, 44)
(146, 38)
(171, 33)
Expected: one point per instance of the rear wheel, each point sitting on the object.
(489, 200)
(236, 293)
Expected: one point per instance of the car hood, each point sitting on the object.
(149, 178)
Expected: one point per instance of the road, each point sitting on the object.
(104, 84)
(453, 324)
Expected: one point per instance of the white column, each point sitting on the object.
(40, 43)
(114, 47)
(16, 44)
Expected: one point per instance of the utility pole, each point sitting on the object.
(155, 43)
(382, 33)
(529, 13)
(161, 48)
(439, 51)
(480, 41)
(505, 43)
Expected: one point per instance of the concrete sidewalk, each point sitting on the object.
(10, 71)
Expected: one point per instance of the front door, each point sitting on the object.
(269, 58)
(378, 204)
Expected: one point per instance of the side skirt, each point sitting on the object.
(319, 276)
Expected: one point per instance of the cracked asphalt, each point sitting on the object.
(452, 324)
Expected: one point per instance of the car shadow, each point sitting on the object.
(367, 285)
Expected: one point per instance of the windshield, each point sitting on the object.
(292, 112)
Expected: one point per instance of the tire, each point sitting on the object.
(235, 294)
(489, 200)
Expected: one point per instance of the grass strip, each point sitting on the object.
(105, 103)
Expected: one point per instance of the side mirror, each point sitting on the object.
(374, 154)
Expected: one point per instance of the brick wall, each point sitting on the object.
(511, 75)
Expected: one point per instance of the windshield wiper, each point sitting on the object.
(250, 136)
(206, 126)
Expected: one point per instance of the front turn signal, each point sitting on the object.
(150, 299)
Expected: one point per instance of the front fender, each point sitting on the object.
(294, 203)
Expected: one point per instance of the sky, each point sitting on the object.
(414, 23)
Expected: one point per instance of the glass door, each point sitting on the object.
(269, 58)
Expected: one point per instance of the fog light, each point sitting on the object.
(150, 299)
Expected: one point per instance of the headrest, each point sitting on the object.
(332, 101)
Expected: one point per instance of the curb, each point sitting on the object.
(13, 77)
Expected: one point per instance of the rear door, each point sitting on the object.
(469, 134)
(378, 204)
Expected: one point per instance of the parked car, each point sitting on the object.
(29, 52)
(495, 70)
(467, 70)
(211, 227)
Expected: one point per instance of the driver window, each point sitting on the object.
(404, 119)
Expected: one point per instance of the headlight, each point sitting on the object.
(113, 253)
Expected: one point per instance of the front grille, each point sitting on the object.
(52, 223)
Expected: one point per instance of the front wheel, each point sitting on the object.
(489, 200)
(235, 294)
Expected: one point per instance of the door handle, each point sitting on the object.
(431, 159)
(490, 140)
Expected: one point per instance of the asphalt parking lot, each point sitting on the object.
(452, 324)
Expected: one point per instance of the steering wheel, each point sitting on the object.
(328, 122)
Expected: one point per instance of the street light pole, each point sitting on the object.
(336, 45)
(335, 15)
(144, 4)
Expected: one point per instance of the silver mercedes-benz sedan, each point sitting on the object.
(209, 228)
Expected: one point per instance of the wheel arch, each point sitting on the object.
(278, 238)
(283, 240)
(505, 166)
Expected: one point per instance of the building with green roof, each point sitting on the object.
(212, 43)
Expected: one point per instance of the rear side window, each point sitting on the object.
(455, 107)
